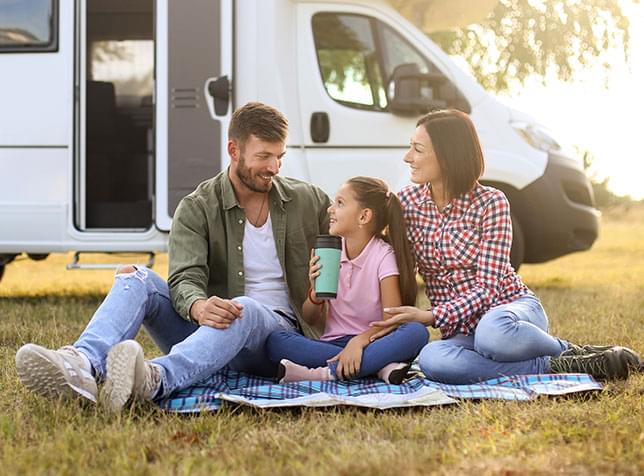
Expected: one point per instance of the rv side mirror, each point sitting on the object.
(412, 93)
(219, 89)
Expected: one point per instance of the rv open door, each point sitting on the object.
(194, 49)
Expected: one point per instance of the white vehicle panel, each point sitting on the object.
(36, 92)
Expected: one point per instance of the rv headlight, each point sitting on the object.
(537, 136)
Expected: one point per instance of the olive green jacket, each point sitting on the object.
(206, 239)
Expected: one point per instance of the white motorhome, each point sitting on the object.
(112, 110)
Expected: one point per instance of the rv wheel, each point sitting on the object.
(518, 244)
(5, 260)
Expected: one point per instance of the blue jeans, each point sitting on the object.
(401, 345)
(510, 339)
(193, 352)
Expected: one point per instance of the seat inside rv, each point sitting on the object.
(119, 115)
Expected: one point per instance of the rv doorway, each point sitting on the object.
(118, 155)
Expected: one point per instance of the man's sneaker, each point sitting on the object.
(129, 376)
(607, 365)
(61, 373)
(634, 360)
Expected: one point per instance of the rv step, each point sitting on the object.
(75, 264)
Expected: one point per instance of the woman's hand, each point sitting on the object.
(400, 315)
(349, 359)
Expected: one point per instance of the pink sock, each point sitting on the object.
(294, 372)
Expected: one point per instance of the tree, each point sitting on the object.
(522, 38)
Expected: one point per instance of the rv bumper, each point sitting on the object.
(557, 212)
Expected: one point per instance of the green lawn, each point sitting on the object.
(597, 296)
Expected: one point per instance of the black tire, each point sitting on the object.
(517, 253)
(4, 261)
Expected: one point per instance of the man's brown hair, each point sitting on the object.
(258, 119)
(457, 149)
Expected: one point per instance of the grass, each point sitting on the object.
(597, 296)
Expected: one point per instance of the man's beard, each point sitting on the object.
(256, 184)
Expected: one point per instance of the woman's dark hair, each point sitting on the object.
(457, 149)
(389, 225)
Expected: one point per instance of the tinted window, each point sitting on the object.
(27, 25)
(397, 51)
(357, 56)
(348, 60)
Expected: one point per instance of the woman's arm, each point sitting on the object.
(492, 265)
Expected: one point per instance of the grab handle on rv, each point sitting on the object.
(219, 89)
(75, 264)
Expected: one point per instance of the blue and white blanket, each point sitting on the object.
(229, 385)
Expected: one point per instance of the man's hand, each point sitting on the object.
(349, 359)
(216, 312)
(400, 315)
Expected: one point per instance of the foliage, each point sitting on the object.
(547, 38)
(604, 197)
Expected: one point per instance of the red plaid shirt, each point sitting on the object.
(463, 254)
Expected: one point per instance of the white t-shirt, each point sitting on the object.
(264, 277)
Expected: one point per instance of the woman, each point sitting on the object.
(461, 234)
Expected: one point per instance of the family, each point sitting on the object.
(240, 291)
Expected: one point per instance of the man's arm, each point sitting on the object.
(323, 214)
(188, 256)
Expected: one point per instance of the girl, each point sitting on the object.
(461, 235)
(376, 270)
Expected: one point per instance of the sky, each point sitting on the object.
(598, 113)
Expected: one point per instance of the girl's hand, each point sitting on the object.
(400, 315)
(349, 359)
(314, 271)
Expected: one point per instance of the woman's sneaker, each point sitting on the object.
(610, 364)
(61, 373)
(129, 376)
(634, 360)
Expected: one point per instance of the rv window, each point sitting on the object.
(348, 60)
(397, 51)
(28, 26)
(129, 65)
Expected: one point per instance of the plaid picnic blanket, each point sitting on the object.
(238, 387)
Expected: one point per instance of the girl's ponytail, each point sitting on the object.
(374, 193)
(396, 235)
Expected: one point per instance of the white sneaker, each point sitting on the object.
(128, 376)
(61, 373)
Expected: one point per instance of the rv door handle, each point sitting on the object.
(219, 89)
(320, 127)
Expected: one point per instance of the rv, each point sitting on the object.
(112, 110)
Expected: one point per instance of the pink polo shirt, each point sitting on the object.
(358, 302)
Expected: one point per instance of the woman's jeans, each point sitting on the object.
(510, 339)
(401, 345)
(193, 352)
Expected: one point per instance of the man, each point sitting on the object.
(239, 254)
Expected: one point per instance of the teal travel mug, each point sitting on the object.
(328, 248)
